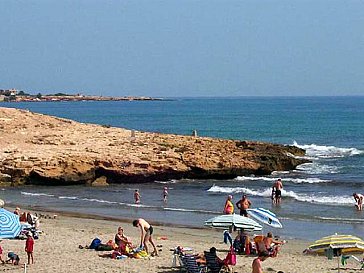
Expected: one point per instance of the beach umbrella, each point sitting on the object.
(233, 220)
(336, 245)
(345, 243)
(265, 216)
(9, 224)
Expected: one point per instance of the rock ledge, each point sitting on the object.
(40, 149)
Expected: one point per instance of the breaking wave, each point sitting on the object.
(309, 180)
(310, 198)
(321, 151)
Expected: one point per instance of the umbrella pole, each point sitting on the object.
(338, 264)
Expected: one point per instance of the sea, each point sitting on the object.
(317, 197)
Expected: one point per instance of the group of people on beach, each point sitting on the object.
(14, 258)
(244, 203)
(137, 196)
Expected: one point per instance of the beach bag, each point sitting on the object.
(230, 257)
(95, 243)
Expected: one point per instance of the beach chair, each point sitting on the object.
(190, 264)
(344, 259)
(211, 262)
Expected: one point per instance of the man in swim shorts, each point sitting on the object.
(146, 232)
(359, 198)
(243, 204)
(278, 190)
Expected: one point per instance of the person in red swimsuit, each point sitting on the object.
(29, 247)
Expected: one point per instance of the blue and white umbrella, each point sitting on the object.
(9, 224)
(233, 220)
(265, 216)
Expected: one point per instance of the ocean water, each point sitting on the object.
(317, 197)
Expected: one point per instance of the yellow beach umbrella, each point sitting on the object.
(345, 243)
(337, 245)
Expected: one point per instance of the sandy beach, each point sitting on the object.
(57, 249)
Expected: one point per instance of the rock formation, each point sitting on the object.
(40, 149)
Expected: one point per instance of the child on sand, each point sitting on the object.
(29, 246)
(136, 197)
(13, 258)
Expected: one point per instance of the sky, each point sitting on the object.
(177, 48)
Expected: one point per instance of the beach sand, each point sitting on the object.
(57, 249)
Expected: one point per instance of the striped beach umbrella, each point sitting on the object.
(345, 243)
(265, 216)
(233, 220)
(9, 224)
(337, 244)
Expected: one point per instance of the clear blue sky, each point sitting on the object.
(183, 48)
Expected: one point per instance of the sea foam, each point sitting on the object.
(321, 151)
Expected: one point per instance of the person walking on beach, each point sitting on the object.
(146, 232)
(243, 204)
(277, 186)
(257, 263)
(29, 247)
(359, 198)
(229, 206)
(137, 197)
(165, 194)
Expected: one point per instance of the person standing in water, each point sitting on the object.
(359, 198)
(165, 194)
(137, 197)
(278, 186)
(243, 204)
(229, 206)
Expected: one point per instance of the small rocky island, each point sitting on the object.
(41, 149)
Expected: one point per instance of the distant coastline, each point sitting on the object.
(13, 95)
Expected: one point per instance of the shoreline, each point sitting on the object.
(293, 229)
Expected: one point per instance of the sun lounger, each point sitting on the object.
(190, 264)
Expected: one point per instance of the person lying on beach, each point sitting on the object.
(359, 198)
(13, 258)
(146, 232)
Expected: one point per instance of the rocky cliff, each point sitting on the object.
(40, 149)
